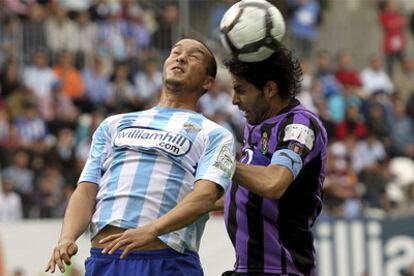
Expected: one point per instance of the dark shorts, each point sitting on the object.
(143, 263)
(233, 273)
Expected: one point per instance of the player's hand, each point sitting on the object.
(61, 255)
(130, 239)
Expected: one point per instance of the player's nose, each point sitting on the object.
(235, 99)
(181, 58)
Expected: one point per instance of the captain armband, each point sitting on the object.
(289, 159)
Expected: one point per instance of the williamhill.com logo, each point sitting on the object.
(147, 138)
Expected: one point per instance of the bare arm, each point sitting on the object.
(271, 181)
(77, 217)
(200, 201)
(219, 204)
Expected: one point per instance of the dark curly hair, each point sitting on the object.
(281, 67)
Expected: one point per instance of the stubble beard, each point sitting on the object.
(174, 85)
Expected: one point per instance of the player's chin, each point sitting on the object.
(253, 120)
(176, 74)
(173, 80)
(249, 118)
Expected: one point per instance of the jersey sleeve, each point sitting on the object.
(217, 162)
(100, 146)
(297, 140)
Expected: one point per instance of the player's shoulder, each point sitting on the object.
(210, 127)
(116, 118)
(112, 122)
(302, 120)
(301, 111)
(301, 115)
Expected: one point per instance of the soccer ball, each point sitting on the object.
(251, 29)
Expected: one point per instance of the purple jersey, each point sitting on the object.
(274, 236)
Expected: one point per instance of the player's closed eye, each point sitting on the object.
(197, 57)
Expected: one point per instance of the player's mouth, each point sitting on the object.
(177, 69)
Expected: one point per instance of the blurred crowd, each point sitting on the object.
(65, 65)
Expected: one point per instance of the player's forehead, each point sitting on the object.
(191, 45)
(239, 82)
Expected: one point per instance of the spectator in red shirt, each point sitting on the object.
(393, 24)
(346, 73)
(353, 124)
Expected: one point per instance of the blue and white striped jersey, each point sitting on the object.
(146, 162)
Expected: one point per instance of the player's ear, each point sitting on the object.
(208, 82)
(270, 89)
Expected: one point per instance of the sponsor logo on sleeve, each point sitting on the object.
(300, 133)
(146, 138)
(225, 161)
(297, 148)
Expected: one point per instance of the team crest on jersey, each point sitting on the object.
(137, 138)
(225, 161)
(265, 143)
(191, 127)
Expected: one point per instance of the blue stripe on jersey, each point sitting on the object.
(196, 228)
(133, 207)
(107, 204)
(94, 168)
(214, 141)
(177, 173)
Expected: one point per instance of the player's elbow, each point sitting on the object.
(208, 200)
(274, 191)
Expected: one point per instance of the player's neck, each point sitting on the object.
(277, 106)
(179, 101)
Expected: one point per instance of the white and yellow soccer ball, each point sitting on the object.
(251, 29)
